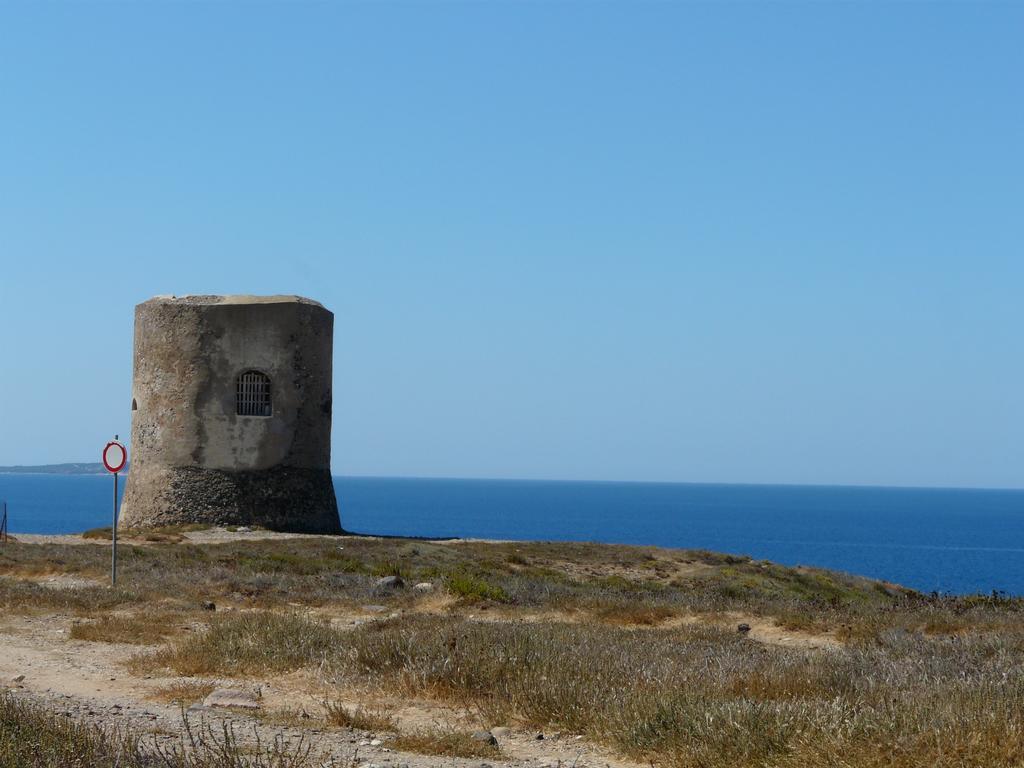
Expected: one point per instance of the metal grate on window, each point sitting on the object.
(252, 397)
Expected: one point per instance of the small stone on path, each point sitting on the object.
(485, 737)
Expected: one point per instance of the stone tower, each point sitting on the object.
(231, 414)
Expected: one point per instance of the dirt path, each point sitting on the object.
(89, 681)
(768, 632)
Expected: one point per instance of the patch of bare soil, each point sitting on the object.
(766, 631)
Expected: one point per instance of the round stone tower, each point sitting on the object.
(231, 414)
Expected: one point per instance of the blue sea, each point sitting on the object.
(959, 541)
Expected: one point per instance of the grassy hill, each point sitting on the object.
(658, 656)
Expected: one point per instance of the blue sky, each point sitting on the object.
(772, 242)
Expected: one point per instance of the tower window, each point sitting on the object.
(252, 396)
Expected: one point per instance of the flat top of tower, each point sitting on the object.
(206, 300)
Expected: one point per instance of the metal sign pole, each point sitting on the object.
(113, 548)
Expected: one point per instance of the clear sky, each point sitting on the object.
(772, 242)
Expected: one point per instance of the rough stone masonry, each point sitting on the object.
(231, 414)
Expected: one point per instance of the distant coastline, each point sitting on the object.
(86, 468)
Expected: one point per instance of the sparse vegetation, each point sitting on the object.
(629, 615)
(473, 588)
(443, 742)
(292, 717)
(147, 628)
(701, 696)
(184, 692)
(32, 737)
(246, 644)
(634, 647)
(364, 718)
(163, 533)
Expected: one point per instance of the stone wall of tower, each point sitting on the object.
(194, 459)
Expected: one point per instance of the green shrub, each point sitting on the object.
(471, 588)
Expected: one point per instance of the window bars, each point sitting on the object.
(252, 396)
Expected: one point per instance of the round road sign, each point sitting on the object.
(114, 457)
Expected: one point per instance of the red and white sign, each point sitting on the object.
(115, 456)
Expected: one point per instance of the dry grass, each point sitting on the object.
(633, 615)
(289, 717)
(923, 680)
(340, 573)
(443, 743)
(698, 696)
(246, 644)
(185, 692)
(32, 737)
(320, 572)
(363, 718)
(135, 629)
(691, 696)
(24, 596)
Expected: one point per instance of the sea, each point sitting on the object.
(943, 540)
